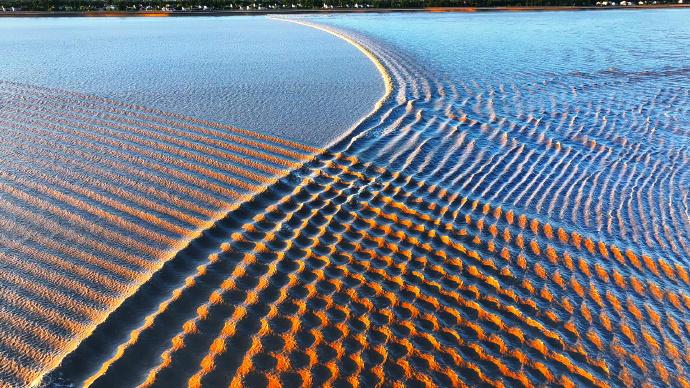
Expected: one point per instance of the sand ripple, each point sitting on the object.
(95, 196)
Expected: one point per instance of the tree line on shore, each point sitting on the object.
(218, 5)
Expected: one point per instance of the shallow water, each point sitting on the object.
(115, 153)
(514, 218)
(599, 95)
(250, 72)
(95, 195)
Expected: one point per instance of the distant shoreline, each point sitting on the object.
(327, 11)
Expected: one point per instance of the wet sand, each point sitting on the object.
(99, 194)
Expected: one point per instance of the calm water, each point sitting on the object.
(515, 213)
(250, 72)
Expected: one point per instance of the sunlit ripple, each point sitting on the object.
(462, 234)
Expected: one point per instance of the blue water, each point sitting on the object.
(631, 52)
(612, 87)
(526, 45)
(251, 72)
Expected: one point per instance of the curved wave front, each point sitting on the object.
(446, 241)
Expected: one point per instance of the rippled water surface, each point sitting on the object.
(560, 107)
(514, 212)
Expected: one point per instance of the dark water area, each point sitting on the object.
(515, 213)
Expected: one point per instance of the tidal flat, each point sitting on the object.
(507, 205)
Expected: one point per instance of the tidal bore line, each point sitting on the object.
(415, 250)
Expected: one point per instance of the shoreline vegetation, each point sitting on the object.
(120, 8)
